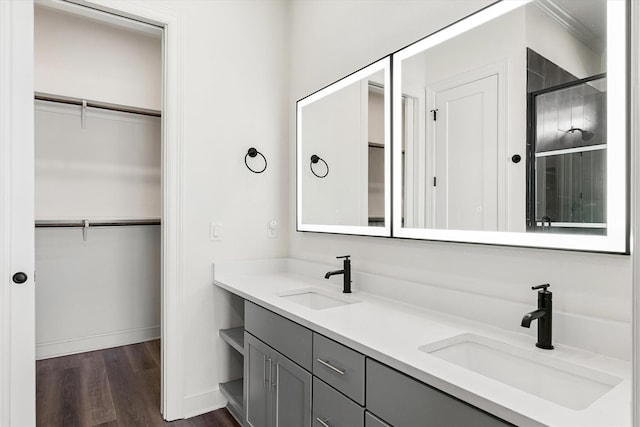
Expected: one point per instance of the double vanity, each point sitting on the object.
(313, 355)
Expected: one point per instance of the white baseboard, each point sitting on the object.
(201, 403)
(66, 347)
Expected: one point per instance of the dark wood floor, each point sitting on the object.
(114, 387)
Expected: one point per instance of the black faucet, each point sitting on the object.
(543, 315)
(346, 270)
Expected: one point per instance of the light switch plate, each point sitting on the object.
(215, 231)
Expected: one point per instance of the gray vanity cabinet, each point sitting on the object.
(277, 391)
(404, 402)
(349, 389)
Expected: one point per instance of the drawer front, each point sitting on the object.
(406, 402)
(333, 409)
(287, 337)
(371, 420)
(339, 366)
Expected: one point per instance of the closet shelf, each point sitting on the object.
(235, 338)
(232, 390)
(96, 223)
(41, 96)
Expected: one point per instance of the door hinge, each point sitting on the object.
(434, 181)
(435, 113)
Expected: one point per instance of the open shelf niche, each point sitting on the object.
(230, 314)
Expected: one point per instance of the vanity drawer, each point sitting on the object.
(371, 420)
(405, 402)
(339, 366)
(331, 408)
(287, 337)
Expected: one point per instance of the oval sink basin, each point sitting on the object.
(572, 386)
(316, 299)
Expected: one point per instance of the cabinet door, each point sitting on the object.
(292, 394)
(257, 359)
(371, 420)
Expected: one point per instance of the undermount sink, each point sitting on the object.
(316, 299)
(572, 386)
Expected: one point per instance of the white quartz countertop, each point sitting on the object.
(392, 332)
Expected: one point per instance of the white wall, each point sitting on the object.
(331, 128)
(235, 70)
(107, 168)
(97, 293)
(331, 39)
(107, 63)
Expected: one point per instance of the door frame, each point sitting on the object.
(172, 184)
(17, 350)
(634, 143)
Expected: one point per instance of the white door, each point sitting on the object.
(466, 156)
(17, 300)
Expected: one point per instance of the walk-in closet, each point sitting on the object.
(98, 145)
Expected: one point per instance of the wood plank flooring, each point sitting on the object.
(116, 387)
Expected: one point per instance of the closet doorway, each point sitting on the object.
(98, 210)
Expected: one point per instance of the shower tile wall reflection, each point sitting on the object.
(570, 159)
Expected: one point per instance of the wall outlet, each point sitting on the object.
(215, 231)
(272, 228)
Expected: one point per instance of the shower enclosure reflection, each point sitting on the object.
(567, 158)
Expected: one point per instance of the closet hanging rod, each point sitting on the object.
(96, 104)
(97, 223)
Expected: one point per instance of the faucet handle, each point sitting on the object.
(343, 256)
(543, 287)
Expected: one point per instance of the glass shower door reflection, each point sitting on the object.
(567, 175)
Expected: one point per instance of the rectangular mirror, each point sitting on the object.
(343, 155)
(513, 128)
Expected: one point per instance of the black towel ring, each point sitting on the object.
(253, 153)
(315, 159)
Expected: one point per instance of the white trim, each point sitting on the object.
(5, 224)
(172, 184)
(572, 25)
(381, 65)
(635, 208)
(201, 403)
(411, 148)
(68, 6)
(616, 239)
(363, 167)
(583, 149)
(65, 347)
